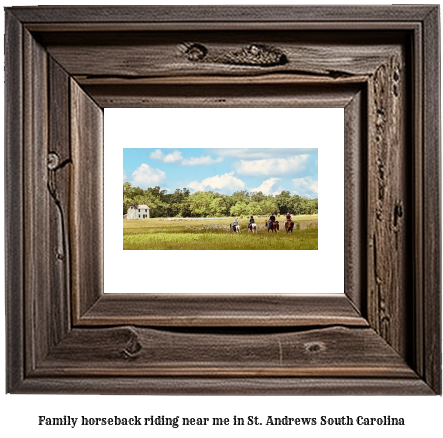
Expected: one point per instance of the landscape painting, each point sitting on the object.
(220, 198)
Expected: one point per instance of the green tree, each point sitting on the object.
(154, 198)
(283, 201)
(129, 195)
(203, 204)
(200, 204)
(217, 207)
(312, 206)
(258, 197)
(239, 209)
(268, 207)
(240, 196)
(176, 202)
(254, 208)
(296, 204)
(127, 202)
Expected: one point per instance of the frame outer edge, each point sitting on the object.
(14, 235)
(220, 13)
(228, 386)
(432, 202)
(14, 243)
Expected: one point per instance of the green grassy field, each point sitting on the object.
(215, 234)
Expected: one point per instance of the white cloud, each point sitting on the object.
(197, 161)
(177, 157)
(173, 157)
(124, 175)
(156, 155)
(227, 181)
(145, 176)
(267, 186)
(272, 165)
(169, 158)
(306, 187)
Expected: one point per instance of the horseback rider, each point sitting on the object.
(251, 221)
(234, 224)
(288, 218)
(271, 221)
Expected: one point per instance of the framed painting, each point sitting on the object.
(64, 65)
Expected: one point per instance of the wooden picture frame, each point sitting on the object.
(65, 64)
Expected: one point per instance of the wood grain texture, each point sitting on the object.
(205, 310)
(227, 14)
(388, 204)
(166, 54)
(36, 201)
(288, 386)
(261, 78)
(318, 26)
(129, 351)
(355, 187)
(432, 334)
(86, 224)
(417, 358)
(59, 184)
(14, 239)
(230, 96)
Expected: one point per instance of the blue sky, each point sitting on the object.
(224, 170)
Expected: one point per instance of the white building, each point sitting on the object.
(138, 211)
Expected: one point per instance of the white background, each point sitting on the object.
(18, 413)
(280, 127)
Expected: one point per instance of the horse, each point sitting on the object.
(253, 228)
(236, 228)
(289, 226)
(274, 227)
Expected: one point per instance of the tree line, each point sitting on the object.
(182, 203)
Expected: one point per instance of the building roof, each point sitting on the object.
(136, 206)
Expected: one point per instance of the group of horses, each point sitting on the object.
(275, 227)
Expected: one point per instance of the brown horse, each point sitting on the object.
(289, 226)
(274, 227)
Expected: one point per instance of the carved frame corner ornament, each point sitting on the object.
(64, 65)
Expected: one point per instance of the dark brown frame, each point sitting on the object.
(380, 63)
